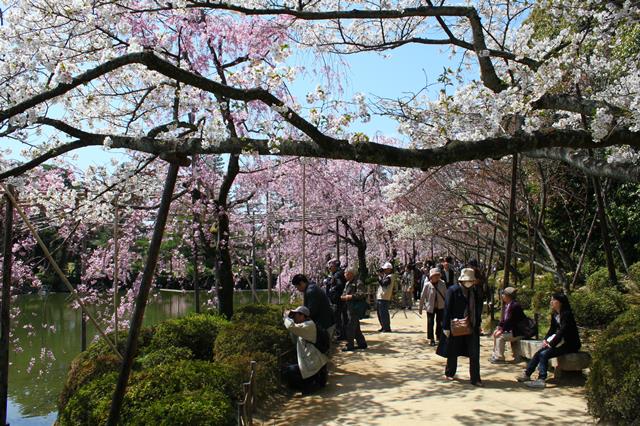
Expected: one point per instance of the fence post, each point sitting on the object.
(5, 319)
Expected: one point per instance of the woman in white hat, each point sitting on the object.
(383, 297)
(461, 326)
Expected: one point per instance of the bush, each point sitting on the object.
(596, 309)
(246, 338)
(613, 387)
(166, 355)
(184, 386)
(197, 332)
(634, 272)
(545, 286)
(189, 409)
(259, 314)
(267, 371)
(599, 280)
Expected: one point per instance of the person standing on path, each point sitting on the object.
(316, 301)
(433, 296)
(335, 287)
(383, 297)
(353, 293)
(407, 283)
(463, 301)
(447, 272)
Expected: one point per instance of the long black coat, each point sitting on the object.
(566, 330)
(318, 303)
(456, 305)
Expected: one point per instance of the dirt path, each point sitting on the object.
(398, 380)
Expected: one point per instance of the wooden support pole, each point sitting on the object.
(58, 271)
(604, 230)
(196, 274)
(143, 294)
(304, 216)
(512, 213)
(5, 319)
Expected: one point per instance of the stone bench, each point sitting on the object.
(570, 362)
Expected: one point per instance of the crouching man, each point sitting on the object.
(310, 373)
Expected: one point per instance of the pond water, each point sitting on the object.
(33, 395)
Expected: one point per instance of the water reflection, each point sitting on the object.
(49, 330)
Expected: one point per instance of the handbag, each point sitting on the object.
(460, 327)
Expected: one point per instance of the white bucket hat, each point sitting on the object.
(434, 271)
(467, 274)
(387, 265)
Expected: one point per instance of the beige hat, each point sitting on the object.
(303, 310)
(467, 274)
(434, 271)
(387, 265)
(509, 291)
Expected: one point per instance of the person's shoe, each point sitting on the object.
(348, 349)
(523, 377)
(448, 378)
(536, 384)
(478, 384)
(387, 330)
(493, 360)
(517, 360)
(362, 347)
(380, 330)
(432, 343)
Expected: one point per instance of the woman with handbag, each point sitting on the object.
(461, 325)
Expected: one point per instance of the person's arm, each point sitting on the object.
(306, 330)
(566, 318)
(423, 296)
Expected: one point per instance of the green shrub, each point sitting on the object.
(246, 338)
(613, 387)
(525, 296)
(188, 409)
(89, 405)
(155, 390)
(267, 373)
(634, 272)
(162, 356)
(545, 286)
(259, 314)
(597, 308)
(197, 332)
(599, 280)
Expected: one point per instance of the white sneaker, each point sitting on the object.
(537, 384)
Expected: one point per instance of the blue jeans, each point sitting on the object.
(541, 360)
(383, 315)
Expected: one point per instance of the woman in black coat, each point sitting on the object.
(562, 338)
(463, 299)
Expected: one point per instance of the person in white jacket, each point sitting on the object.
(310, 373)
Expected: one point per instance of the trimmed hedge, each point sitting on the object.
(240, 338)
(259, 314)
(613, 386)
(197, 332)
(597, 308)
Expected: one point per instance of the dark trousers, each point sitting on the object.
(293, 378)
(339, 314)
(435, 317)
(352, 330)
(541, 360)
(383, 315)
(472, 343)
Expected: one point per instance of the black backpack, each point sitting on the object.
(527, 327)
(323, 342)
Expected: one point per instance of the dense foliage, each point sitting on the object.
(178, 379)
(613, 387)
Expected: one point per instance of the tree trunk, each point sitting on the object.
(613, 279)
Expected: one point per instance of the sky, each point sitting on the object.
(396, 73)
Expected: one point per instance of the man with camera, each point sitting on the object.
(310, 372)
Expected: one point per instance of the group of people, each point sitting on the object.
(453, 304)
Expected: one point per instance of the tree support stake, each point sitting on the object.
(143, 294)
(56, 268)
(5, 319)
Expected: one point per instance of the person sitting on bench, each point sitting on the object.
(508, 330)
(562, 338)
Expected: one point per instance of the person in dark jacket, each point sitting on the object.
(509, 328)
(353, 293)
(316, 301)
(463, 300)
(334, 289)
(562, 338)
